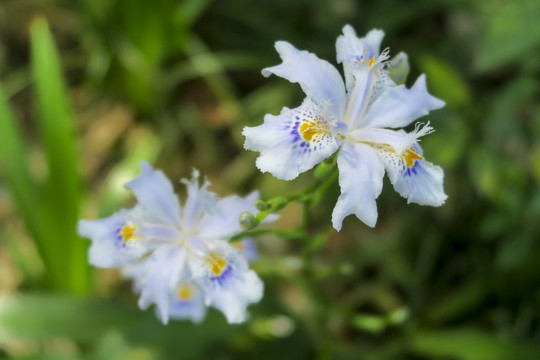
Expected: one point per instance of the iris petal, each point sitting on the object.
(320, 80)
(398, 106)
(116, 240)
(223, 274)
(353, 51)
(222, 221)
(156, 197)
(291, 142)
(162, 274)
(360, 179)
(414, 178)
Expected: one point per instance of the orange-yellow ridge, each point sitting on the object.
(312, 129)
(410, 157)
(128, 232)
(184, 292)
(216, 263)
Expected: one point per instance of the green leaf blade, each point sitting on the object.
(62, 192)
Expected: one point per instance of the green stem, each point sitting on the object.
(287, 234)
(318, 184)
(309, 197)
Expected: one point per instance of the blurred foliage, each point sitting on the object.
(91, 87)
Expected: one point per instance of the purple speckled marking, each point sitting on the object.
(222, 279)
(120, 243)
(412, 169)
(294, 132)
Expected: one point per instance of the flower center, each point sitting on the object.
(312, 129)
(216, 263)
(128, 232)
(410, 157)
(184, 292)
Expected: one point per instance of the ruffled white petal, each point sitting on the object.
(423, 185)
(136, 272)
(161, 277)
(320, 80)
(353, 51)
(149, 275)
(188, 306)
(373, 40)
(360, 179)
(116, 240)
(199, 200)
(291, 142)
(221, 221)
(156, 197)
(398, 106)
(233, 301)
(414, 178)
(223, 274)
(248, 248)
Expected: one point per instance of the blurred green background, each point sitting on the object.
(91, 87)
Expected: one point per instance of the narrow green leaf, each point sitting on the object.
(470, 344)
(42, 317)
(61, 197)
(13, 161)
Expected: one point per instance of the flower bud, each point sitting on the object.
(247, 220)
(398, 68)
(261, 205)
(277, 203)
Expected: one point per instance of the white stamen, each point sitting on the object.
(425, 130)
(383, 58)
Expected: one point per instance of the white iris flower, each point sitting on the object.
(352, 118)
(179, 257)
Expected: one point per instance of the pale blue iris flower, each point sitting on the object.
(353, 117)
(178, 257)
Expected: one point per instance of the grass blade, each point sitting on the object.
(62, 192)
(13, 159)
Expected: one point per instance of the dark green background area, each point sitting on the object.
(91, 87)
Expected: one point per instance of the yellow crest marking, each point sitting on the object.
(313, 129)
(184, 292)
(128, 232)
(410, 157)
(216, 263)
